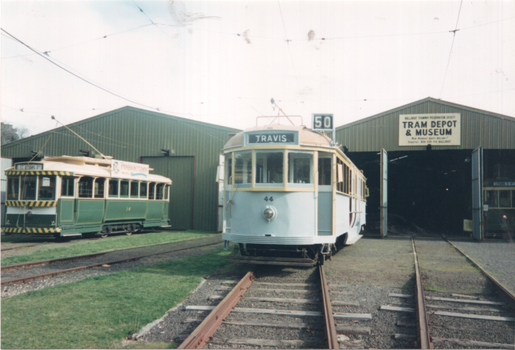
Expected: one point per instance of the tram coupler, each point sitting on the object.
(327, 249)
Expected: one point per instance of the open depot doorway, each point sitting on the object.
(428, 191)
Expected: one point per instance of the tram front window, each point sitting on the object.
(243, 168)
(13, 187)
(299, 168)
(46, 188)
(269, 168)
(28, 187)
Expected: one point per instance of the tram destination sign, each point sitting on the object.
(436, 129)
(272, 137)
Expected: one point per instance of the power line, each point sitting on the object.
(452, 45)
(46, 57)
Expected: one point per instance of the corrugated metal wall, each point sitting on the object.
(478, 128)
(130, 133)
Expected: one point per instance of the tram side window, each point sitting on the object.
(491, 199)
(269, 167)
(228, 169)
(28, 187)
(151, 190)
(46, 188)
(113, 188)
(13, 187)
(243, 168)
(160, 191)
(67, 186)
(167, 191)
(143, 190)
(340, 175)
(86, 187)
(124, 188)
(504, 199)
(300, 168)
(134, 189)
(324, 169)
(99, 188)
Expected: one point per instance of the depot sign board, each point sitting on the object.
(438, 129)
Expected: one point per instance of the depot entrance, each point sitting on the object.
(428, 191)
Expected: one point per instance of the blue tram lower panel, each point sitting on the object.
(294, 222)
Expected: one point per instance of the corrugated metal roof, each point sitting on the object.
(478, 128)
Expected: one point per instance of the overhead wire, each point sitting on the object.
(450, 53)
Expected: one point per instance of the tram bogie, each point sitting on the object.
(290, 192)
(74, 196)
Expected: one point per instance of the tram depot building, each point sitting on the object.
(441, 167)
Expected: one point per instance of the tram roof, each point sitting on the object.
(88, 166)
(306, 135)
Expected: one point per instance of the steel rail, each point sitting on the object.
(88, 256)
(111, 262)
(22, 246)
(330, 326)
(201, 335)
(422, 325)
(492, 278)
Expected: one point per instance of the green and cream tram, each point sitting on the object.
(73, 196)
(290, 192)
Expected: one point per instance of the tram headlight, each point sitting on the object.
(269, 213)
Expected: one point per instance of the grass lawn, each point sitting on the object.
(100, 312)
(102, 245)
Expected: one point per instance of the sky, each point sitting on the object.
(221, 62)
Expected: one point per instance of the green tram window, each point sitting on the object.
(243, 168)
(67, 186)
(504, 199)
(86, 187)
(46, 188)
(100, 187)
(124, 188)
(151, 190)
(160, 191)
(491, 199)
(134, 189)
(28, 187)
(143, 190)
(167, 191)
(13, 187)
(113, 188)
(300, 167)
(269, 168)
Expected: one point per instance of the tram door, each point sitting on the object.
(477, 193)
(383, 196)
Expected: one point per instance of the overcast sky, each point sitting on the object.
(222, 61)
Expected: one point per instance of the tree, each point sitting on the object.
(10, 133)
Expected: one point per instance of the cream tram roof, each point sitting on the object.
(306, 136)
(77, 166)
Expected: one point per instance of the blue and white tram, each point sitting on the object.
(291, 196)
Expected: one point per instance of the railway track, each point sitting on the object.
(458, 319)
(290, 312)
(26, 272)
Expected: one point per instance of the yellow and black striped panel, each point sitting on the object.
(31, 204)
(30, 230)
(38, 172)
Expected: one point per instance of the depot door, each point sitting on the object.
(383, 194)
(181, 170)
(477, 193)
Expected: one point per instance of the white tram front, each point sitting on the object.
(290, 196)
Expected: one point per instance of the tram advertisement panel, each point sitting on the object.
(128, 170)
(438, 129)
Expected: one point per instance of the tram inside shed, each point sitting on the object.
(431, 191)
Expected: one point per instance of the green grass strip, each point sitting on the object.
(102, 245)
(100, 312)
